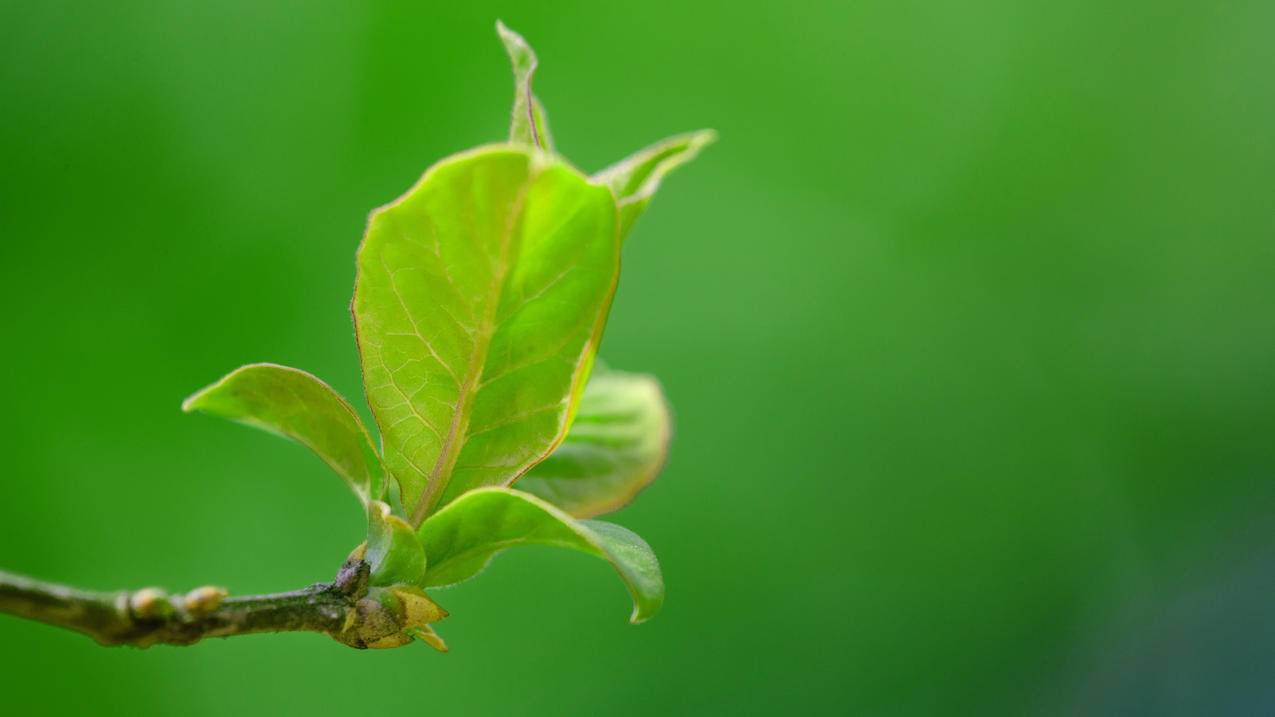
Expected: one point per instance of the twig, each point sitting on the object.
(340, 609)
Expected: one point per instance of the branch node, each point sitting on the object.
(352, 578)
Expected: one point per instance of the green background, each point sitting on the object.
(968, 321)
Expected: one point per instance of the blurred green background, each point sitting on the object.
(968, 321)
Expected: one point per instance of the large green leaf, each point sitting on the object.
(615, 448)
(527, 122)
(463, 537)
(297, 405)
(480, 299)
(636, 178)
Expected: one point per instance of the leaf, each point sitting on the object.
(393, 553)
(616, 446)
(463, 537)
(297, 405)
(636, 178)
(542, 125)
(527, 125)
(480, 299)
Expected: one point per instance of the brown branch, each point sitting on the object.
(340, 609)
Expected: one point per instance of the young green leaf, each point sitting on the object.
(616, 446)
(297, 405)
(636, 178)
(481, 296)
(462, 538)
(527, 125)
(393, 554)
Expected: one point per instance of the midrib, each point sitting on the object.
(441, 473)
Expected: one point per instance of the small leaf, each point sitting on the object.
(480, 299)
(527, 122)
(394, 554)
(297, 405)
(635, 179)
(463, 537)
(616, 446)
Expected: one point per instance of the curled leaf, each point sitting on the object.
(616, 446)
(527, 125)
(297, 405)
(543, 132)
(464, 536)
(394, 555)
(636, 178)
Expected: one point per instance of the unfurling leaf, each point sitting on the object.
(636, 178)
(615, 448)
(394, 555)
(297, 405)
(527, 125)
(461, 538)
(480, 299)
(543, 132)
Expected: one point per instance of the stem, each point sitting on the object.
(147, 617)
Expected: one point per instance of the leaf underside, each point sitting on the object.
(462, 538)
(616, 446)
(297, 405)
(480, 299)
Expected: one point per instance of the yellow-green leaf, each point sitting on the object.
(463, 537)
(297, 405)
(636, 178)
(616, 446)
(480, 299)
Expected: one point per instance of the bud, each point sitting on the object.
(202, 601)
(150, 604)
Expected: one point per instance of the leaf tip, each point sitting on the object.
(643, 612)
(191, 403)
(704, 137)
(516, 45)
(695, 143)
(504, 32)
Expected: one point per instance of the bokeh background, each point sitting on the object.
(968, 320)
